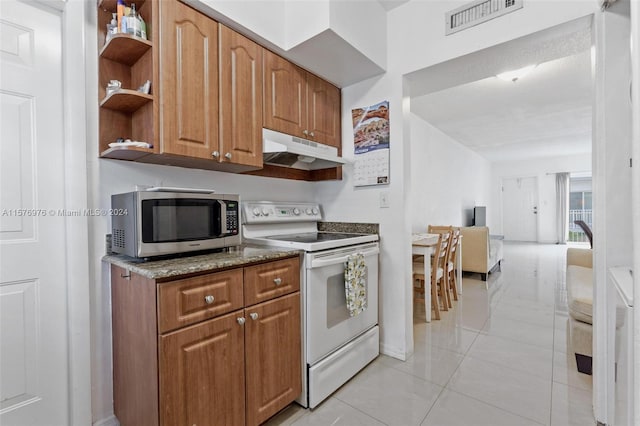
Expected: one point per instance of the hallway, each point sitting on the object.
(498, 358)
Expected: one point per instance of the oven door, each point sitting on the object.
(329, 325)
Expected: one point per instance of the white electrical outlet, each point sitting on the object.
(384, 199)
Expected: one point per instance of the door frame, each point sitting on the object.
(537, 193)
(76, 244)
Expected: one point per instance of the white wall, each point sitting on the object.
(447, 178)
(543, 169)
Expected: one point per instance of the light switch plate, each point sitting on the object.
(384, 199)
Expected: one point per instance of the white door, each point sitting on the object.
(520, 208)
(34, 379)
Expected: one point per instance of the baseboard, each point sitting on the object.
(109, 421)
(392, 352)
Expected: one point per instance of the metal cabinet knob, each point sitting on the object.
(254, 315)
(311, 134)
(227, 156)
(241, 320)
(209, 299)
(305, 132)
(215, 154)
(277, 281)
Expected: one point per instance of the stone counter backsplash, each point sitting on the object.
(349, 227)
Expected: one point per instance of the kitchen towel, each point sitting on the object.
(355, 287)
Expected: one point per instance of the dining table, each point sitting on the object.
(424, 244)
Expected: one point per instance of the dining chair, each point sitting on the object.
(451, 263)
(447, 283)
(437, 276)
(587, 230)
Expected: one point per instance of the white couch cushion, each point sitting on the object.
(580, 293)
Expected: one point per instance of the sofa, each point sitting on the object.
(480, 253)
(579, 280)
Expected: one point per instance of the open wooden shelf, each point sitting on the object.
(125, 48)
(131, 153)
(111, 5)
(126, 100)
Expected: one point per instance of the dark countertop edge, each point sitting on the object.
(183, 266)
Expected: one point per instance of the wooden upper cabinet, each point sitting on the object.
(202, 374)
(240, 98)
(189, 81)
(323, 112)
(299, 103)
(285, 95)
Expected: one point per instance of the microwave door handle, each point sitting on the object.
(319, 262)
(223, 217)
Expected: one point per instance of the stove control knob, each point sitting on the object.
(314, 211)
(265, 212)
(308, 211)
(296, 211)
(256, 211)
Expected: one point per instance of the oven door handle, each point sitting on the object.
(320, 262)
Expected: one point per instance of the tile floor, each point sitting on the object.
(499, 357)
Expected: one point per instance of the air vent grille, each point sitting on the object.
(304, 141)
(118, 238)
(478, 12)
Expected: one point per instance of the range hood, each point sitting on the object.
(280, 149)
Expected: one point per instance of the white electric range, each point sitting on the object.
(335, 346)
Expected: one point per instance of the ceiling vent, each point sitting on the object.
(478, 12)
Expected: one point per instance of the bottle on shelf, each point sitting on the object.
(133, 24)
(112, 27)
(120, 14)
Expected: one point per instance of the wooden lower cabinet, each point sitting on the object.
(218, 367)
(202, 374)
(272, 356)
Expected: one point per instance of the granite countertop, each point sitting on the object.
(173, 267)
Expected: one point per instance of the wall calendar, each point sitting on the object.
(371, 144)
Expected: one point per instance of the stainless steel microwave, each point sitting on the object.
(156, 223)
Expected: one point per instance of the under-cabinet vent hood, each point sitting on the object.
(280, 149)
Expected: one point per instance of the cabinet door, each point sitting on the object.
(273, 364)
(189, 78)
(202, 374)
(323, 111)
(284, 96)
(240, 99)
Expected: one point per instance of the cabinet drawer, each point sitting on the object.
(269, 280)
(190, 300)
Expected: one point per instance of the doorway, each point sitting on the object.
(520, 209)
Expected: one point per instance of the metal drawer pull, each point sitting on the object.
(241, 320)
(254, 316)
(277, 281)
(126, 276)
(209, 299)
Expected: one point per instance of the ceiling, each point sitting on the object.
(546, 113)
(391, 4)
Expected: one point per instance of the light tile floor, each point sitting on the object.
(499, 358)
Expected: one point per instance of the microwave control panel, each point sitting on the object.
(232, 217)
